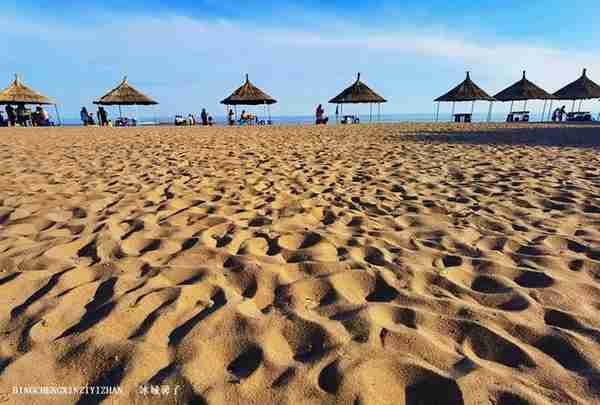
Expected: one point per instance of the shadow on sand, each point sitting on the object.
(566, 135)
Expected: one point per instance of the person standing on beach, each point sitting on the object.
(10, 115)
(102, 116)
(204, 117)
(319, 114)
(22, 116)
(83, 114)
(561, 113)
(231, 117)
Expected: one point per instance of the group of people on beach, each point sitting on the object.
(88, 118)
(245, 118)
(205, 119)
(24, 117)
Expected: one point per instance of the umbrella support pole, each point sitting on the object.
(452, 112)
(489, 117)
(57, 115)
(525, 106)
(512, 102)
(573, 106)
(544, 111)
(550, 110)
(580, 101)
(370, 112)
(120, 112)
(472, 109)
(437, 112)
(378, 112)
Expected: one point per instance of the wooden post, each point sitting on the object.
(543, 111)
(57, 115)
(437, 112)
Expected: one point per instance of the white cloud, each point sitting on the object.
(203, 60)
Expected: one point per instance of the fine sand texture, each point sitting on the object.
(371, 264)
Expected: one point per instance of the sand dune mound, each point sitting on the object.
(385, 264)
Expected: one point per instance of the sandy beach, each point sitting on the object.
(367, 264)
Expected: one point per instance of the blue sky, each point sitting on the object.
(190, 54)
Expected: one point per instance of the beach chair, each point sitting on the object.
(463, 117)
(518, 116)
(350, 119)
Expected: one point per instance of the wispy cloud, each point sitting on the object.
(185, 61)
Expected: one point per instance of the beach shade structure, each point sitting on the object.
(125, 95)
(358, 93)
(581, 89)
(249, 94)
(523, 90)
(18, 93)
(465, 91)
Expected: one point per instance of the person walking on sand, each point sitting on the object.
(204, 117)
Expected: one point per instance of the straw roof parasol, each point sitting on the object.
(18, 93)
(523, 90)
(248, 94)
(581, 89)
(358, 92)
(466, 91)
(124, 94)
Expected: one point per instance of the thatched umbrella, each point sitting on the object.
(524, 90)
(359, 93)
(19, 93)
(249, 94)
(465, 91)
(124, 94)
(581, 89)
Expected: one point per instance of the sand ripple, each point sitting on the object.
(361, 265)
